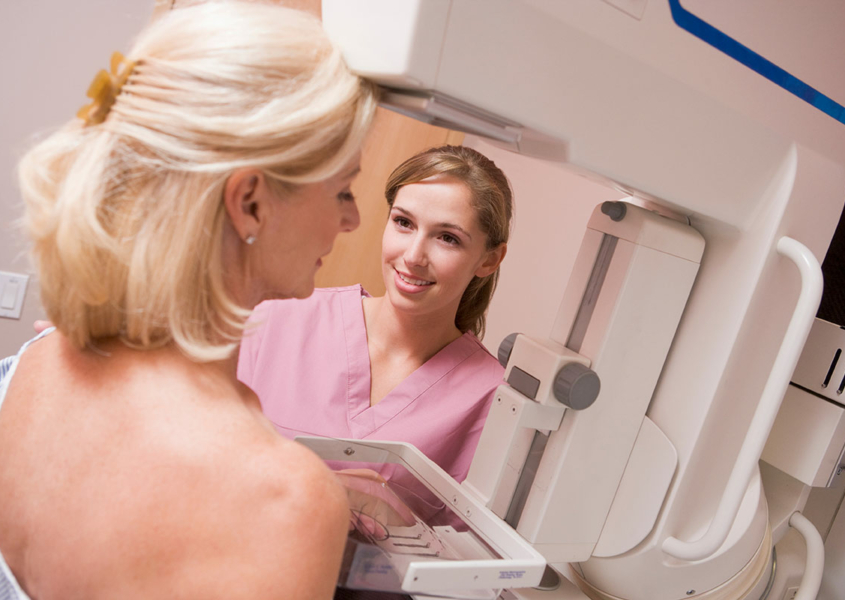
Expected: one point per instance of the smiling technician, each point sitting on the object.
(407, 366)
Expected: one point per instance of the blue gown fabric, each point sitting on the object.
(9, 588)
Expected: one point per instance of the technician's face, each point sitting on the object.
(302, 229)
(432, 247)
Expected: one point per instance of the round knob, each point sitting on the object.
(505, 349)
(615, 210)
(576, 386)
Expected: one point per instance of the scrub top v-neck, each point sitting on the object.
(309, 363)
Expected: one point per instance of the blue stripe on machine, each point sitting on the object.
(723, 42)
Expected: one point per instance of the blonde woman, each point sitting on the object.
(210, 172)
(407, 366)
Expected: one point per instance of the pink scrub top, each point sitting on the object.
(308, 362)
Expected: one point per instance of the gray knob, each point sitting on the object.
(505, 349)
(576, 386)
(615, 210)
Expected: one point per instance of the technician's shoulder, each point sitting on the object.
(336, 295)
(475, 374)
(484, 360)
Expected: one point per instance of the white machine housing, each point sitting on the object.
(808, 438)
(631, 281)
(729, 114)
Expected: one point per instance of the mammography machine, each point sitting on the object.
(625, 448)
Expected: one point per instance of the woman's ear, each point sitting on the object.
(492, 261)
(244, 198)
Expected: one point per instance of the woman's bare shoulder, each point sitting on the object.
(284, 533)
(195, 490)
(272, 508)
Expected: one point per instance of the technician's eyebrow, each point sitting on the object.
(439, 225)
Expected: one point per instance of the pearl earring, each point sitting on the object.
(250, 239)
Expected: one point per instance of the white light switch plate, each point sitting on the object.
(12, 294)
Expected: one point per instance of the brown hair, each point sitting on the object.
(492, 200)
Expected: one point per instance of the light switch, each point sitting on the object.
(10, 295)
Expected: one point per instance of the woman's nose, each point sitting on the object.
(350, 217)
(415, 253)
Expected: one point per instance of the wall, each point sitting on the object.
(833, 583)
(552, 207)
(51, 50)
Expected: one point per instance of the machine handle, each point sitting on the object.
(814, 567)
(767, 409)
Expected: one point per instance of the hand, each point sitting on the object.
(374, 507)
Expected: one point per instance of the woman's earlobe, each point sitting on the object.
(241, 200)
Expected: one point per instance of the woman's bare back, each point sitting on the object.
(140, 474)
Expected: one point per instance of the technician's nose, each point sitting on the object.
(415, 253)
(350, 218)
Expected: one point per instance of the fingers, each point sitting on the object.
(374, 497)
(368, 526)
(368, 474)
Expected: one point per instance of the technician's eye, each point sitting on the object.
(450, 239)
(346, 197)
(402, 222)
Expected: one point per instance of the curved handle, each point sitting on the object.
(767, 409)
(814, 567)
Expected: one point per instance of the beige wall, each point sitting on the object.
(50, 51)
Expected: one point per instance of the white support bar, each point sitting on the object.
(814, 567)
(767, 409)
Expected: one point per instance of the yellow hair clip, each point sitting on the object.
(104, 90)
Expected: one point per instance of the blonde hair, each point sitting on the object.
(126, 217)
(492, 199)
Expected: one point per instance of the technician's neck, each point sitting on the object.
(421, 336)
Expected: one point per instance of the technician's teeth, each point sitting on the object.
(413, 281)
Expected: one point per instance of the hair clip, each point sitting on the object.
(104, 90)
